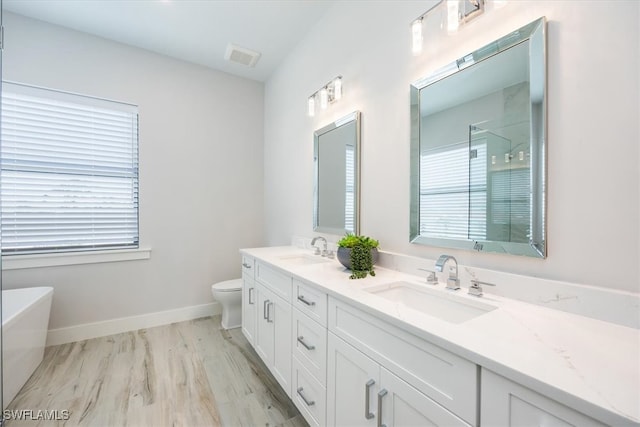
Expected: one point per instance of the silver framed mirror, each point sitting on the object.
(336, 155)
(478, 149)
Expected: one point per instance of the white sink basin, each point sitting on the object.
(441, 304)
(303, 259)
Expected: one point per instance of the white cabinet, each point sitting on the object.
(449, 380)
(249, 307)
(361, 392)
(273, 334)
(507, 404)
(309, 395)
(401, 405)
(267, 301)
(309, 343)
(352, 385)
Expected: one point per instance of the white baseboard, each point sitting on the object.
(133, 323)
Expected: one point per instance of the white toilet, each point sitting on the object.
(229, 294)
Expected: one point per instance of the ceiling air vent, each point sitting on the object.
(241, 55)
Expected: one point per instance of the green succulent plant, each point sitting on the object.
(360, 257)
(350, 240)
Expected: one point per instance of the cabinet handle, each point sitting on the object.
(245, 265)
(269, 319)
(302, 299)
(307, 346)
(250, 294)
(264, 309)
(381, 394)
(367, 404)
(308, 402)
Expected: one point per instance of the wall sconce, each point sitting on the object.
(328, 94)
(454, 14)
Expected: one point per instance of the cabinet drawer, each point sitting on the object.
(247, 267)
(309, 396)
(506, 403)
(310, 345)
(310, 301)
(278, 282)
(446, 378)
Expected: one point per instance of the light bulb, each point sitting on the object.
(499, 3)
(416, 36)
(312, 106)
(337, 88)
(324, 98)
(453, 17)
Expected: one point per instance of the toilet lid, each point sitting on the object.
(228, 285)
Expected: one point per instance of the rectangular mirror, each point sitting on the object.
(337, 176)
(478, 149)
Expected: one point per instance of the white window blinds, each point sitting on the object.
(350, 189)
(451, 190)
(69, 167)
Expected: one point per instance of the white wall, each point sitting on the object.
(201, 142)
(593, 135)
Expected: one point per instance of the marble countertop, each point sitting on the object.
(589, 365)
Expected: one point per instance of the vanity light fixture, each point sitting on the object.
(312, 106)
(324, 98)
(416, 36)
(454, 13)
(328, 94)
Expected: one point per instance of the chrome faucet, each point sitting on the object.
(453, 283)
(324, 242)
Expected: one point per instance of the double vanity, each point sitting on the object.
(393, 350)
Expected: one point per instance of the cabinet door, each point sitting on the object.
(352, 385)
(404, 406)
(279, 315)
(249, 309)
(264, 343)
(508, 404)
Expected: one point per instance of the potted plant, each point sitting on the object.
(359, 254)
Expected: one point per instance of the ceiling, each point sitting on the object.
(197, 31)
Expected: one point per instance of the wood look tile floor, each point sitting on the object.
(188, 374)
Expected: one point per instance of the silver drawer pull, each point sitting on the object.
(265, 304)
(308, 402)
(250, 295)
(269, 319)
(245, 265)
(381, 394)
(303, 300)
(367, 404)
(307, 346)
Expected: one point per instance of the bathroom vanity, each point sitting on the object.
(393, 350)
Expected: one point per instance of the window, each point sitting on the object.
(350, 188)
(453, 192)
(69, 170)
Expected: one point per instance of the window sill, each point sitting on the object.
(17, 262)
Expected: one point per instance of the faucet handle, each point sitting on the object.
(432, 279)
(317, 251)
(475, 289)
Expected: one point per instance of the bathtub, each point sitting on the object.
(25, 320)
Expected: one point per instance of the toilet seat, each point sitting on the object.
(228, 286)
